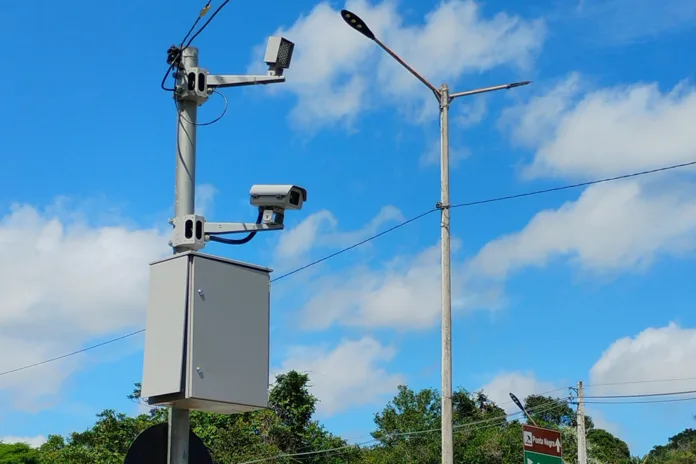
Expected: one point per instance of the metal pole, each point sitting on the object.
(447, 439)
(186, 144)
(582, 446)
(184, 198)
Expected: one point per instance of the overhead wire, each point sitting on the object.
(633, 382)
(485, 422)
(175, 55)
(387, 231)
(574, 186)
(67, 355)
(670, 400)
(643, 395)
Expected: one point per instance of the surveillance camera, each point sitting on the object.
(278, 55)
(278, 197)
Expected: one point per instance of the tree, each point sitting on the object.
(606, 448)
(105, 443)
(286, 427)
(680, 449)
(409, 425)
(18, 453)
(550, 412)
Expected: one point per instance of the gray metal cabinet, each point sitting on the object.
(207, 337)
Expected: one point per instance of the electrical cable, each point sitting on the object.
(633, 382)
(574, 186)
(539, 408)
(175, 55)
(644, 395)
(208, 123)
(11, 371)
(229, 241)
(402, 224)
(356, 245)
(212, 16)
(671, 400)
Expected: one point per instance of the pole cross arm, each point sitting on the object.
(222, 228)
(488, 89)
(232, 80)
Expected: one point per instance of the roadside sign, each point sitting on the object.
(541, 446)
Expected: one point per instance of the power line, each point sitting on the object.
(175, 53)
(544, 406)
(633, 382)
(67, 355)
(391, 229)
(574, 186)
(644, 395)
(671, 400)
(369, 239)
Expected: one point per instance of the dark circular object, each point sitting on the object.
(150, 447)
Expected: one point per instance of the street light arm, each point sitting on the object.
(217, 81)
(488, 89)
(355, 22)
(409, 68)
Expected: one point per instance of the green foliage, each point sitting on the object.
(18, 453)
(407, 431)
(680, 449)
(607, 448)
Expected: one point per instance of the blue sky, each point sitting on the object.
(588, 284)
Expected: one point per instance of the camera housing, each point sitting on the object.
(278, 55)
(278, 197)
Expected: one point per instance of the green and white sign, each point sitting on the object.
(536, 458)
(541, 446)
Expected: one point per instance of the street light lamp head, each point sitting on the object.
(358, 24)
(519, 84)
(278, 55)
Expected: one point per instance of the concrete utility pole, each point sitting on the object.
(444, 98)
(193, 87)
(446, 287)
(582, 445)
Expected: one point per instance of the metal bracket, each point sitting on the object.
(219, 228)
(440, 206)
(192, 85)
(188, 232)
(233, 80)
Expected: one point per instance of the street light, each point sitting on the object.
(444, 98)
(518, 403)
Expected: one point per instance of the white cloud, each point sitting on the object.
(470, 114)
(650, 360)
(64, 283)
(405, 294)
(622, 21)
(34, 442)
(205, 196)
(431, 157)
(524, 384)
(611, 227)
(347, 376)
(337, 72)
(320, 230)
(605, 132)
(521, 384)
